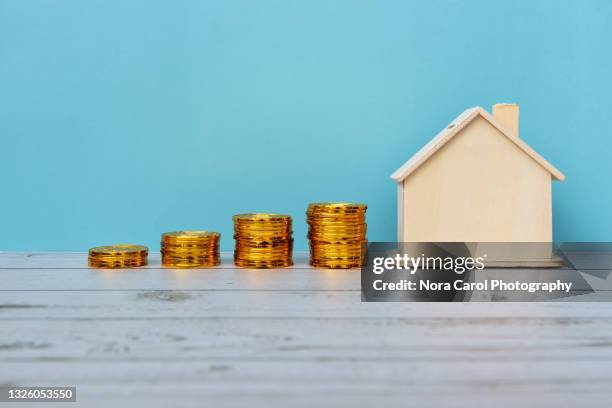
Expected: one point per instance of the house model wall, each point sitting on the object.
(476, 181)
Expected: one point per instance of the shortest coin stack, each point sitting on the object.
(118, 256)
(263, 240)
(190, 249)
(337, 234)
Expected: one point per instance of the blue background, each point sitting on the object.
(123, 119)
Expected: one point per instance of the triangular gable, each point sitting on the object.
(453, 129)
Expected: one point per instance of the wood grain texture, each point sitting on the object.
(456, 127)
(230, 337)
(507, 115)
(479, 187)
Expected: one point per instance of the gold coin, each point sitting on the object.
(190, 248)
(269, 218)
(189, 258)
(118, 256)
(262, 255)
(340, 206)
(191, 234)
(337, 255)
(339, 238)
(263, 264)
(336, 224)
(262, 235)
(191, 255)
(262, 228)
(187, 255)
(335, 265)
(196, 250)
(321, 213)
(119, 249)
(190, 263)
(262, 246)
(340, 244)
(340, 248)
(354, 255)
(101, 263)
(335, 221)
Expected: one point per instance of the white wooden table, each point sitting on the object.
(296, 337)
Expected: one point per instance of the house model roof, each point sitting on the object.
(455, 128)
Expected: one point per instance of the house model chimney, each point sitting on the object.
(507, 114)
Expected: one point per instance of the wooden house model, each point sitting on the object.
(476, 181)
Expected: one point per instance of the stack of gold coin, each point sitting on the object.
(118, 256)
(263, 240)
(190, 249)
(337, 234)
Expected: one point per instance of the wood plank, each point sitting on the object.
(168, 304)
(181, 279)
(412, 377)
(25, 272)
(306, 279)
(253, 339)
(201, 393)
(344, 377)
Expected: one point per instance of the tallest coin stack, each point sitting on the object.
(337, 234)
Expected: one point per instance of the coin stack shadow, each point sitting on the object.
(337, 234)
(190, 249)
(118, 256)
(263, 240)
